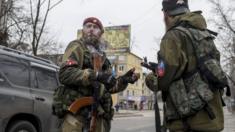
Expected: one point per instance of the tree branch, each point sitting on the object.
(55, 4)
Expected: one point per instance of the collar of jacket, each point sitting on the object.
(193, 18)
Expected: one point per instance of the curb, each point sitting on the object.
(119, 115)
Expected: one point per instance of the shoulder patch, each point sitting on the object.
(161, 69)
(71, 62)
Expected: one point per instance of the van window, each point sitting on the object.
(44, 79)
(16, 70)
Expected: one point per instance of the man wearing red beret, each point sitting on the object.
(78, 77)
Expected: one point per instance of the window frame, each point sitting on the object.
(22, 62)
(33, 73)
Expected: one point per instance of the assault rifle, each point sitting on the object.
(98, 62)
(92, 101)
(153, 67)
(79, 103)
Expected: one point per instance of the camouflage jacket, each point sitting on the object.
(76, 74)
(176, 53)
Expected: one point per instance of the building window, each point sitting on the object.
(127, 92)
(133, 93)
(121, 68)
(121, 93)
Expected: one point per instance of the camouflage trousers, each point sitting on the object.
(76, 124)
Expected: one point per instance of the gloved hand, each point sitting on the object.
(151, 81)
(130, 76)
(106, 78)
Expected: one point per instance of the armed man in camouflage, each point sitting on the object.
(77, 75)
(192, 103)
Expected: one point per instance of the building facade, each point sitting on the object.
(137, 95)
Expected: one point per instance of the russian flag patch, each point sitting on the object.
(161, 69)
(71, 62)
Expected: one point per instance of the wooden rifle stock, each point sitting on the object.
(79, 103)
(98, 62)
(93, 122)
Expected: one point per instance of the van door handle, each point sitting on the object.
(40, 98)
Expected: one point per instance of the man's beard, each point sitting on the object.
(91, 40)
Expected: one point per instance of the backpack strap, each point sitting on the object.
(190, 31)
(187, 33)
(196, 36)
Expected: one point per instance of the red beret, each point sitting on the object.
(94, 21)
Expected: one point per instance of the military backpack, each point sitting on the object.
(207, 55)
(192, 92)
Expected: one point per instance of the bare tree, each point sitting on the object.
(17, 25)
(25, 23)
(224, 20)
(5, 8)
(39, 19)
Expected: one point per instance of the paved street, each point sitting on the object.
(134, 123)
(143, 121)
(229, 121)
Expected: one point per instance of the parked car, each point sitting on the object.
(27, 84)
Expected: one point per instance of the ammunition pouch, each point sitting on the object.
(58, 105)
(187, 96)
(63, 98)
(106, 104)
(65, 95)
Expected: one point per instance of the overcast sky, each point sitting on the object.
(144, 16)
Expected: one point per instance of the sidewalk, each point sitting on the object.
(127, 113)
(229, 121)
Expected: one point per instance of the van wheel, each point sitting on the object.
(21, 126)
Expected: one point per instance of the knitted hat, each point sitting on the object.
(175, 7)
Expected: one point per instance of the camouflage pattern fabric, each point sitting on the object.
(208, 57)
(189, 96)
(178, 55)
(152, 82)
(76, 74)
(72, 124)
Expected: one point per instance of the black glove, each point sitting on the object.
(106, 78)
(130, 76)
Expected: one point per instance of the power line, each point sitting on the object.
(144, 14)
